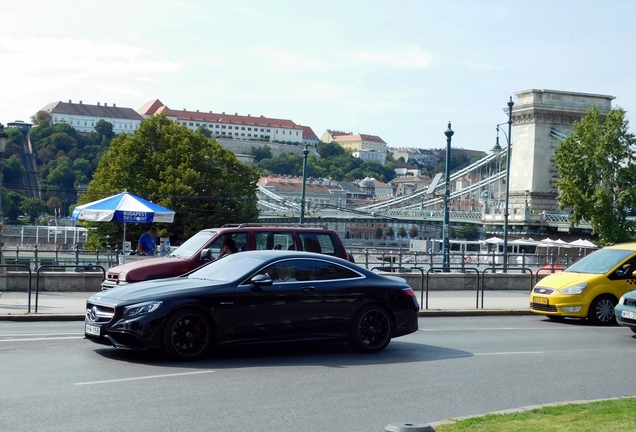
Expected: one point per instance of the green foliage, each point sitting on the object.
(184, 171)
(66, 158)
(262, 152)
(335, 162)
(41, 117)
(413, 231)
(204, 131)
(467, 232)
(14, 141)
(401, 232)
(33, 207)
(389, 232)
(597, 169)
(13, 173)
(378, 233)
(104, 128)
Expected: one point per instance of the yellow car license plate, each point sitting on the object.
(541, 300)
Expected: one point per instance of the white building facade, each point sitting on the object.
(83, 117)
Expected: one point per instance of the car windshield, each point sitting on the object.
(193, 244)
(229, 268)
(600, 262)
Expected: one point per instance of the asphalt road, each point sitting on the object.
(53, 380)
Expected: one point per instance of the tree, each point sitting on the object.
(401, 232)
(41, 117)
(378, 233)
(262, 152)
(389, 232)
(413, 231)
(105, 128)
(166, 163)
(33, 207)
(204, 131)
(13, 172)
(597, 169)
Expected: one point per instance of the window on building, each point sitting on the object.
(222, 127)
(267, 130)
(283, 132)
(296, 133)
(236, 133)
(197, 124)
(249, 129)
(217, 126)
(242, 134)
(242, 127)
(236, 127)
(210, 126)
(264, 131)
(190, 124)
(217, 132)
(249, 135)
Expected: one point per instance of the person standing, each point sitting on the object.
(148, 242)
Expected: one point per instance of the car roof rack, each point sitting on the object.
(274, 224)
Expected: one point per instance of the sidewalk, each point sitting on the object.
(71, 306)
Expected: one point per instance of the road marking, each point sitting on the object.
(505, 328)
(42, 339)
(40, 334)
(144, 377)
(508, 353)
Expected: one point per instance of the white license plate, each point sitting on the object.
(92, 330)
(628, 314)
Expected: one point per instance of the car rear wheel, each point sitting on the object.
(187, 335)
(602, 310)
(371, 330)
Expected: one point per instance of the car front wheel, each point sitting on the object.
(602, 310)
(371, 330)
(187, 335)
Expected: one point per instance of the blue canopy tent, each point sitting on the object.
(124, 207)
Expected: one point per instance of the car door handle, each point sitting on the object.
(307, 288)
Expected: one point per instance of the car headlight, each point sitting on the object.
(122, 276)
(574, 289)
(141, 308)
(621, 300)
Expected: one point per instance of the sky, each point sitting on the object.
(400, 70)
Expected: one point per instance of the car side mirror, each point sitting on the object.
(206, 255)
(261, 280)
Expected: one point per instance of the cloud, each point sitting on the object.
(410, 58)
(60, 58)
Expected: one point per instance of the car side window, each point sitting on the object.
(291, 271)
(331, 271)
(319, 243)
(240, 240)
(275, 241)
(625, 271)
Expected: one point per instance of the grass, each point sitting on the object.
(603, 416)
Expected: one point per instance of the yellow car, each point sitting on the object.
(590, 288)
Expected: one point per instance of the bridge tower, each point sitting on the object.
(541, 118)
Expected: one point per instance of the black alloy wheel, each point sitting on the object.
(187, 335)
(602, 310)
(371, 330)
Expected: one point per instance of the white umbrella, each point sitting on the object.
(124, 207)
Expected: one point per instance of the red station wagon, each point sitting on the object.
(206, 245)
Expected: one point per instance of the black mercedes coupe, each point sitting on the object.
(255, 296)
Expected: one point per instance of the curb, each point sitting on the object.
(473, 312)
(42, 317)
(525, 408)
(430, 313)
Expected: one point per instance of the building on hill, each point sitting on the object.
(83, 117)
(309, 137)
(330, 135)
(246, 127)
(370, 155)
(408, 185)
(317, 191)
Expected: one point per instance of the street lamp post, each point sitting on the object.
(302, 195)
(446, 229)
(497, 150)
(3, 144)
